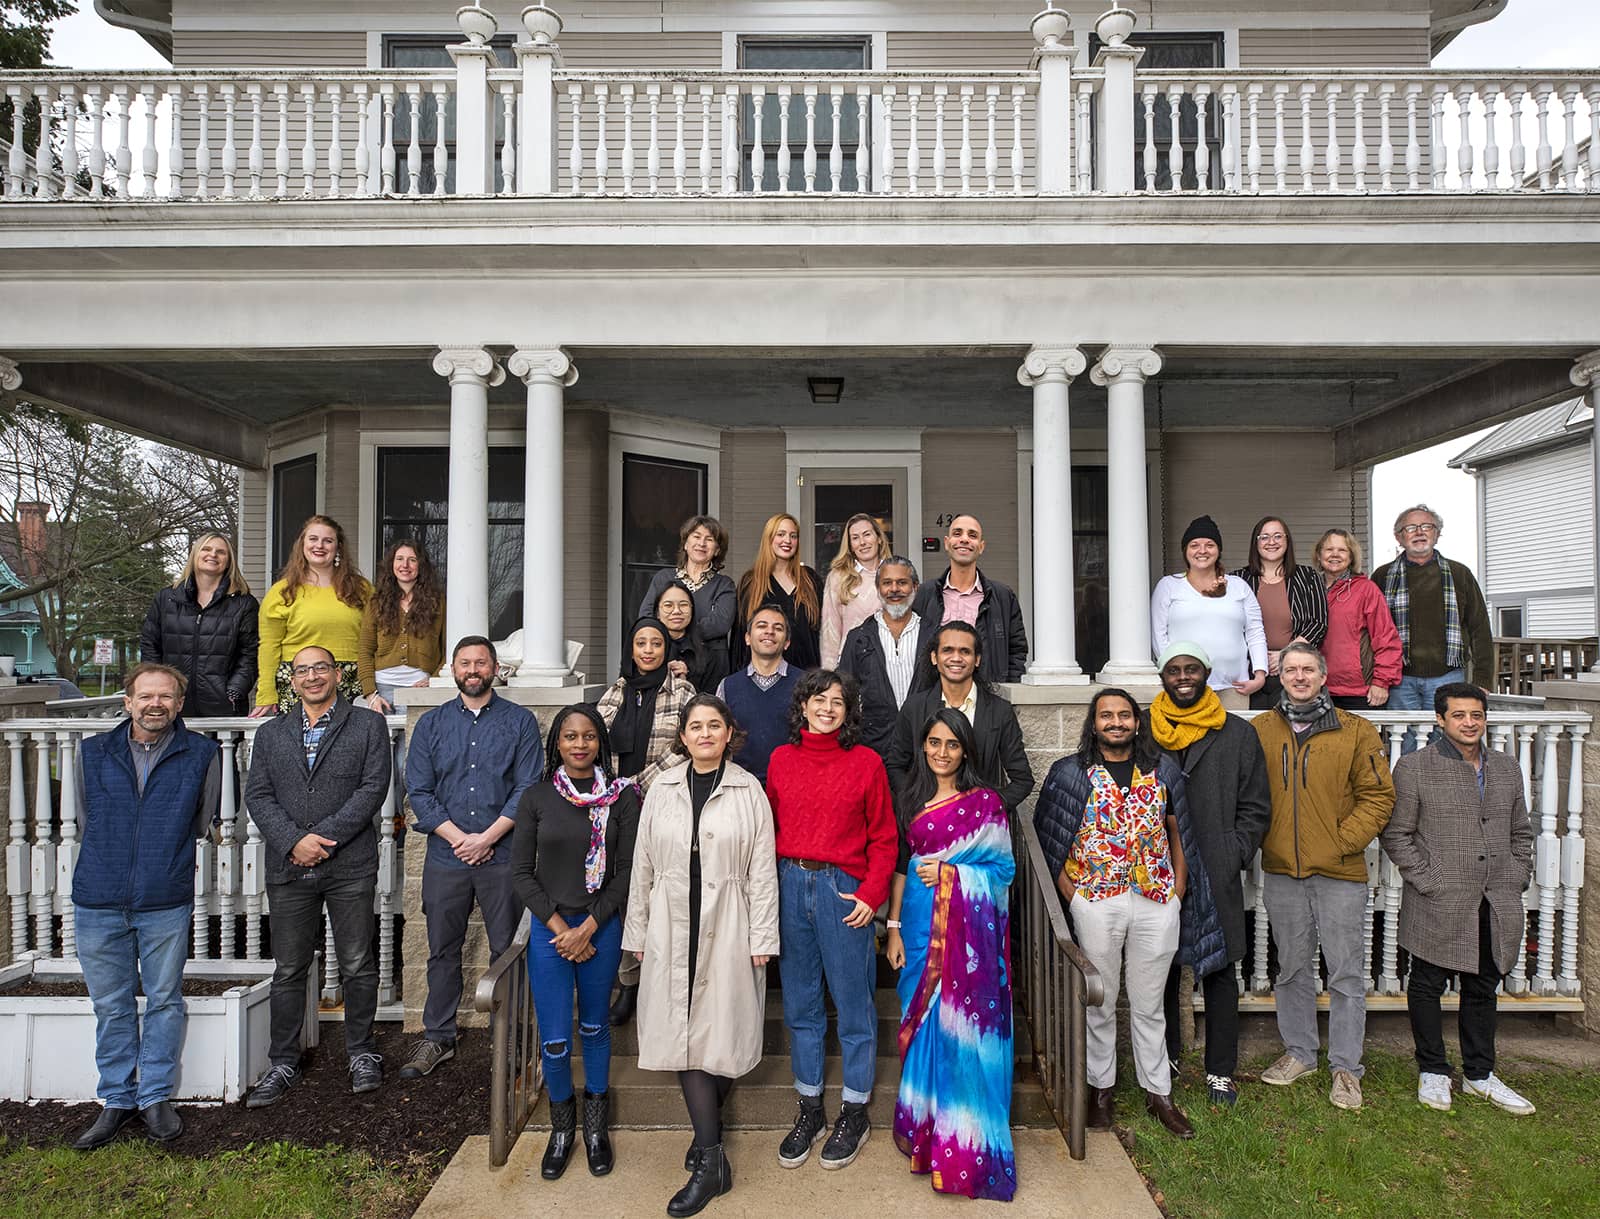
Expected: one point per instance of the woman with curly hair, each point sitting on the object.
(778, 577)
(702, 549)
(402, 629)
(851, 595)
(318, 601)
(837, 844)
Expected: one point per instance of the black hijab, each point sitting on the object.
(691, 649)
(630, 731)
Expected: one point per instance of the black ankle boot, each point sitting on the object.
(563, 1128)
(596, 1134)
(712, 1177)
(622, 1007)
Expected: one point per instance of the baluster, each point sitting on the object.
(1374, 857)
(1308, 151)
(1358, 149)
(783, 159)
(1230, 148)
(627, 157)
(1572, 863)
(149, 157)
(758, 154)
(44, 163)
(441, 152)
(1541, 100)
(94, 104)
(835, 149)
(1547, 859)
(228, 852)
(1018, 156)
(1569, 150)
(69, 146)
(202, 146)
(730, 139)
(332, 991)
(1439, 156)
(680, 152)
(941, 94)
(1280, 143)
(257, 158)
(1385, 136)
(1333, 159)
(1592, 95)
(886, 160)
(1491, 145)
(1253, 149)
(122, 159)
(44, 850)
(965, 160)
(19, 870)
(308, 145)
(252, 867)
(1149, 136)
(1413, 145)
(1175, 144)
(364, 177)
(280, 152)
(388, 879)
(175, 156)
(575, 162)
(602, 146)
(863, 140)
(1464, 152)
(1501, 737)
(704, 162)
(809, 165)
(1085, 154)
(67, 853)
(230, 148)
(413, 146)
(1519, 152)
(913, 138)
(991, 151)
(1389, 967)
(1202, 144)
(16, 160)
(652, 154)
(508, 142)
(1260, 981)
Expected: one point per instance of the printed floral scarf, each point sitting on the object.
(598, 802)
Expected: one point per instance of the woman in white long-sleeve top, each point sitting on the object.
(1209, 607)
(703, 922)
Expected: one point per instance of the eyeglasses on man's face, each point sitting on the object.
(320, 668)
(1425, 527)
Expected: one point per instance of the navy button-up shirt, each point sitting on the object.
(472, 770)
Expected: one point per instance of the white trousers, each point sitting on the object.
(1146, 932)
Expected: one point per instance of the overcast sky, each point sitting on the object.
(1531, 33)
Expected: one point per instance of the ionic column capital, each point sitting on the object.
(10, 375)
(543, 364)
(1131, 363)
(478, 362)
(1051, 364)
(1585, 370)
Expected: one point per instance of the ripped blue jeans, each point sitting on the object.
(553, 980)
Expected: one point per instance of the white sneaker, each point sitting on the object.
(1434, 1091)
(1496, 1092)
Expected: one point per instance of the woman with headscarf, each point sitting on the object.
(703, 662)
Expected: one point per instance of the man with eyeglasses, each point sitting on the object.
(1439, 612)
(318, 776)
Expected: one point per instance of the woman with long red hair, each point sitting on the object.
(778, 577)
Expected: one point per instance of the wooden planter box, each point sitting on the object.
(50, 1040)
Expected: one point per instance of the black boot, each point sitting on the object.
(622, 1007)
(563, 1128)
(712, 1177)
(596, 1135)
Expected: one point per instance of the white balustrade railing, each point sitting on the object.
(230, 874)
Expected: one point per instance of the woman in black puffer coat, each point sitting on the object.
(205, 626)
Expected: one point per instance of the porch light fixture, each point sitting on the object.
(825, 391)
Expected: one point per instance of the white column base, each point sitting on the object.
(442, 682)
(1050, 676)
(1129, 675)
(530, 677)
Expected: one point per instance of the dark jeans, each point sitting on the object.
(1355, 702)
(447, 897)
(552, 980)
(1221, 991)
(1264, 699)
(296, 909)
(1477, 1015)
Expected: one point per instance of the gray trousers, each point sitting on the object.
(447, 897)
(1301, 912)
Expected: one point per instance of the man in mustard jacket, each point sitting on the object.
(1331, 795)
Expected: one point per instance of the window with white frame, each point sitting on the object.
(794, 54)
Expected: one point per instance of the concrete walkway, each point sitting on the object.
(650, 1169)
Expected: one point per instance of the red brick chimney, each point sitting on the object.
(31, 537)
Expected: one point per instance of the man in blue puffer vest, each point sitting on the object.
(150, 788)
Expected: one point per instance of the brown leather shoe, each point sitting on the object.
(1169, 1115)
(1102, 1108)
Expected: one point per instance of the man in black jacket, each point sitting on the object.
(1231, 805)
(318, 776)
(894, 634)
(957, 652)
(965, 594)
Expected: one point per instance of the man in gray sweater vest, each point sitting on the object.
(318, 776)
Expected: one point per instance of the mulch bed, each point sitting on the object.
(195, 988)
(398, 1123)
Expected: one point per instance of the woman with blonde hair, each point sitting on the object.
(205, 627)
(402, 627)
(778, 577)
(851, 595)
(318, 600)
(1362, 647)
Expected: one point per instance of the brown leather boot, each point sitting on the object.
(1102, 1108)
(1169, 1115)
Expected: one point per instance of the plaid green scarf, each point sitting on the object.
(1398, 594)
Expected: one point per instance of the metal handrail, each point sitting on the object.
(515, 1072)
(1058, 983)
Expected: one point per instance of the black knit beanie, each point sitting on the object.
(1202, 527)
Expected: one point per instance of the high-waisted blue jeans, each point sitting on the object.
(553, 979)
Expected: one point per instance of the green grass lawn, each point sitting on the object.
(133, 1178)
(1288, 1152)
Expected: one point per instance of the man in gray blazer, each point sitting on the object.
(1461, 837)
(318, 776)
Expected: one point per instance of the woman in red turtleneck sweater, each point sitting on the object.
(837, 843)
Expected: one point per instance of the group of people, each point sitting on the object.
(781, 764)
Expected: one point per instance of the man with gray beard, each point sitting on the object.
(887, 654)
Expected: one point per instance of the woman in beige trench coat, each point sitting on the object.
(703, 920)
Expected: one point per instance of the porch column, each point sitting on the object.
(1123, 371)
(546, 371)
(1586, 376)
(1050, 371)
(472, 370)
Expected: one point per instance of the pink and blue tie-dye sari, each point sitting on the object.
(953, 1115)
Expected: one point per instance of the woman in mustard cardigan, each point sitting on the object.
(319, 600)
(402, 628)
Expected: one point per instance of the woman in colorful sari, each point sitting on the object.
(949, 937)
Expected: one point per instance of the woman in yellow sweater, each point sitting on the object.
(319, 600)
(402, 630)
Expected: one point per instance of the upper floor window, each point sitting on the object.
(803, 55)
(1185, 52)
(406, 51)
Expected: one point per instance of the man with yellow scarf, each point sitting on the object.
(1230, 804)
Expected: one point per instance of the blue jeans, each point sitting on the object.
(119, 950)
(818, 947)
(1416, 694)
(551, 978)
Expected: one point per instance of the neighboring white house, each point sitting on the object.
(1536, 521)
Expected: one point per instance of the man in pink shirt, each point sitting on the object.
(965, 594)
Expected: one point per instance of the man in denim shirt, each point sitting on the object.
(469, 762)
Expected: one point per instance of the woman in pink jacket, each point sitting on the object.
(1356, 608)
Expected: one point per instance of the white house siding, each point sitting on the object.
(588, 507)
(252, 541)
(753, 478)
(311, 50)
(1525, 551)
(973, 472)
(1559, 617)
(1239, 477)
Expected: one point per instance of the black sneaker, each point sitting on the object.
(1221, 1090)
(809, 1126)
(366, 1073)
(426, 1056)
(849, 1133)
(272, 1087)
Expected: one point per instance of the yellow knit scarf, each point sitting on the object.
(1178, 728)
